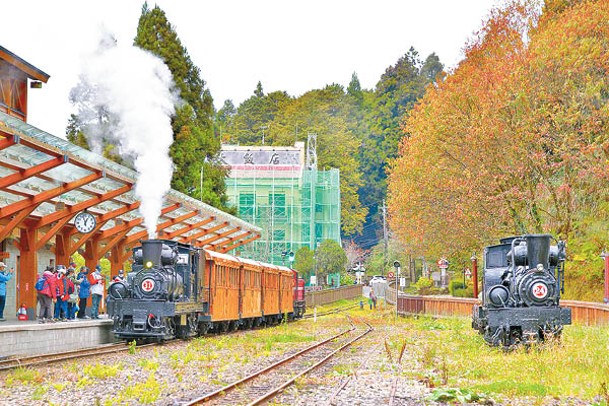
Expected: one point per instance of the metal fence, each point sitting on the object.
(321, 297)
(586, 313)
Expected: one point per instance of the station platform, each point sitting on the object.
(32, 338)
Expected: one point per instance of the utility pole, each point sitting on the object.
(384, 236)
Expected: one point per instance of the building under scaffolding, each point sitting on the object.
(295, 204)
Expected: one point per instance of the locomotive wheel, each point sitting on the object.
(203, 329)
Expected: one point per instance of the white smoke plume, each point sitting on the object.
(125, 97)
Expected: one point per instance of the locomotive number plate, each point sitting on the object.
(147, 285)
(540, 290)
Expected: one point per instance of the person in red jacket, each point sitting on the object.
(47, 296)
(63, 295)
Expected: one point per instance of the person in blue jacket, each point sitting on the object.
(4, 277)
(84, 292)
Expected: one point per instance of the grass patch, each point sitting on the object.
(145, 393)
(450, 353)
(23, 376)
(101, 371)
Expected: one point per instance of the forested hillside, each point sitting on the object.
(357, 132)
(515, 140)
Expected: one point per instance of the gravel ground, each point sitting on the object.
(176, 372)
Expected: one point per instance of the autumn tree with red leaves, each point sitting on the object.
(514, 141)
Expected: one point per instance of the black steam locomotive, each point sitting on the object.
(523, 280)
(177, 290)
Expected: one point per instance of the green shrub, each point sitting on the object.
(423, 285)
(456, 285)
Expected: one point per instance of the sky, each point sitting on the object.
(287, 45)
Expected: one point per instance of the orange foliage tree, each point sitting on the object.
(514, 140)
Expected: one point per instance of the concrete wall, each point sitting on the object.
(32, 338)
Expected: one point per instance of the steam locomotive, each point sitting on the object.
(177, 290)
(523, 280)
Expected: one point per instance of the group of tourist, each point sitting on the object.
(63, 294)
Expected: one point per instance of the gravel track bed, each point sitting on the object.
(370, 375)
(170, 374)
(179, 371)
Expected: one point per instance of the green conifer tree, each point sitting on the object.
(195, 144)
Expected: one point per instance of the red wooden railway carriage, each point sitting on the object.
(176, 290)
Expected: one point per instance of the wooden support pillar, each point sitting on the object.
(117, 259)
(62, 256)
(91, 254)
(28, 271)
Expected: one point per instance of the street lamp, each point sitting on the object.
(396, 265)
(475, 273)
(205, 161)
(605, 257)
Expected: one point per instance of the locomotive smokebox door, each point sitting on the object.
(151, 252)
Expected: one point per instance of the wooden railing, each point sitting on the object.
(320, 297)
(587, 313)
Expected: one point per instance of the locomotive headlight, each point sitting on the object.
(540, 267)
(148, 264)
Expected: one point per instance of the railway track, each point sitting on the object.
(35, 360)
(333, 311)
(333, 400)
(263, 386)
(42, 359)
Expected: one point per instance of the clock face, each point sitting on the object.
(84, 222)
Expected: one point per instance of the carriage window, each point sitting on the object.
(234, 277)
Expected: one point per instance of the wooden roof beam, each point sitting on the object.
(214, 247)
(205, 231)
(237, 245)
(72, 210)
(48, 194)
(9, 140)
(181, 218)
(189, 227)
(200, 244)
(112, 242)
(127, 225)
(141, 234)
(15, 221)
(33, 171)
(51, 233)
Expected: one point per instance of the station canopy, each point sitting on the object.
(45, 181)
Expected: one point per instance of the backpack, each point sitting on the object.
(92, 279)
(70, 287)
(40, 284)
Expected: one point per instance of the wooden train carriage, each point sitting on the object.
(251, 289)
(286, 290)
(224, 282)
(270, 290)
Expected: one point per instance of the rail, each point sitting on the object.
(586, 313)
(320, 297)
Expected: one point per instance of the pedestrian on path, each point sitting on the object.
(5, 276)
(372, 300)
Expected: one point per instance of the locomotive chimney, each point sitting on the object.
(538, 250)
(151, 251)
